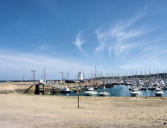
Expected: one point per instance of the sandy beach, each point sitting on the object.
(15, 87)
(30, 111)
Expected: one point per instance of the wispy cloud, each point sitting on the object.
(150, 57)
(46, 46)
(129, 45)
(117, 39)
(79, 43)
(43, 47)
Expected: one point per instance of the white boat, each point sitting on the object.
(65, 90)
(104, 93)
(130, 87)
(90, 92)
(143, 88)
(42, 81)
(135, 92)
(90, 89)
(158, 91)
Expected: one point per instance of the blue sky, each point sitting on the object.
(117, 36)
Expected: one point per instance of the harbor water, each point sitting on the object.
(120, 91)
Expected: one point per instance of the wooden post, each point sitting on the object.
(78, 98)
(37, 89)
(43, 89)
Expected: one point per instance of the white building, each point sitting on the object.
(80, 76)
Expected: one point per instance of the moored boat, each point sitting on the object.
(65, 90)
(90, 92)
(135, 92)
(104, 93)
(158, 91)
(143, 88)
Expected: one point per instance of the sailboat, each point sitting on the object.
(158, 91)
(135, 92)
(90, 92)
(104, 93)
(43, 79)
(65, 90)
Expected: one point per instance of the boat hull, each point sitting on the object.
(90, 93)
(135, 94)
(104, 94)
(158, 94)
(65, 92)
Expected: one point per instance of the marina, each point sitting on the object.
(83, 64)
(123, 86)
(119, 91)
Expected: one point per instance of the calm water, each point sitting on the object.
(120, 91)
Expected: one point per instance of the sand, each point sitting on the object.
(15, 87)
(32, 111)
(18, 110)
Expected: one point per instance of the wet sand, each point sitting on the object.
(30, 111)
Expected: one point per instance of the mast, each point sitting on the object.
(62, 75)
(95, 75)
(33, 72)
(44, 73)
(23, 78)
